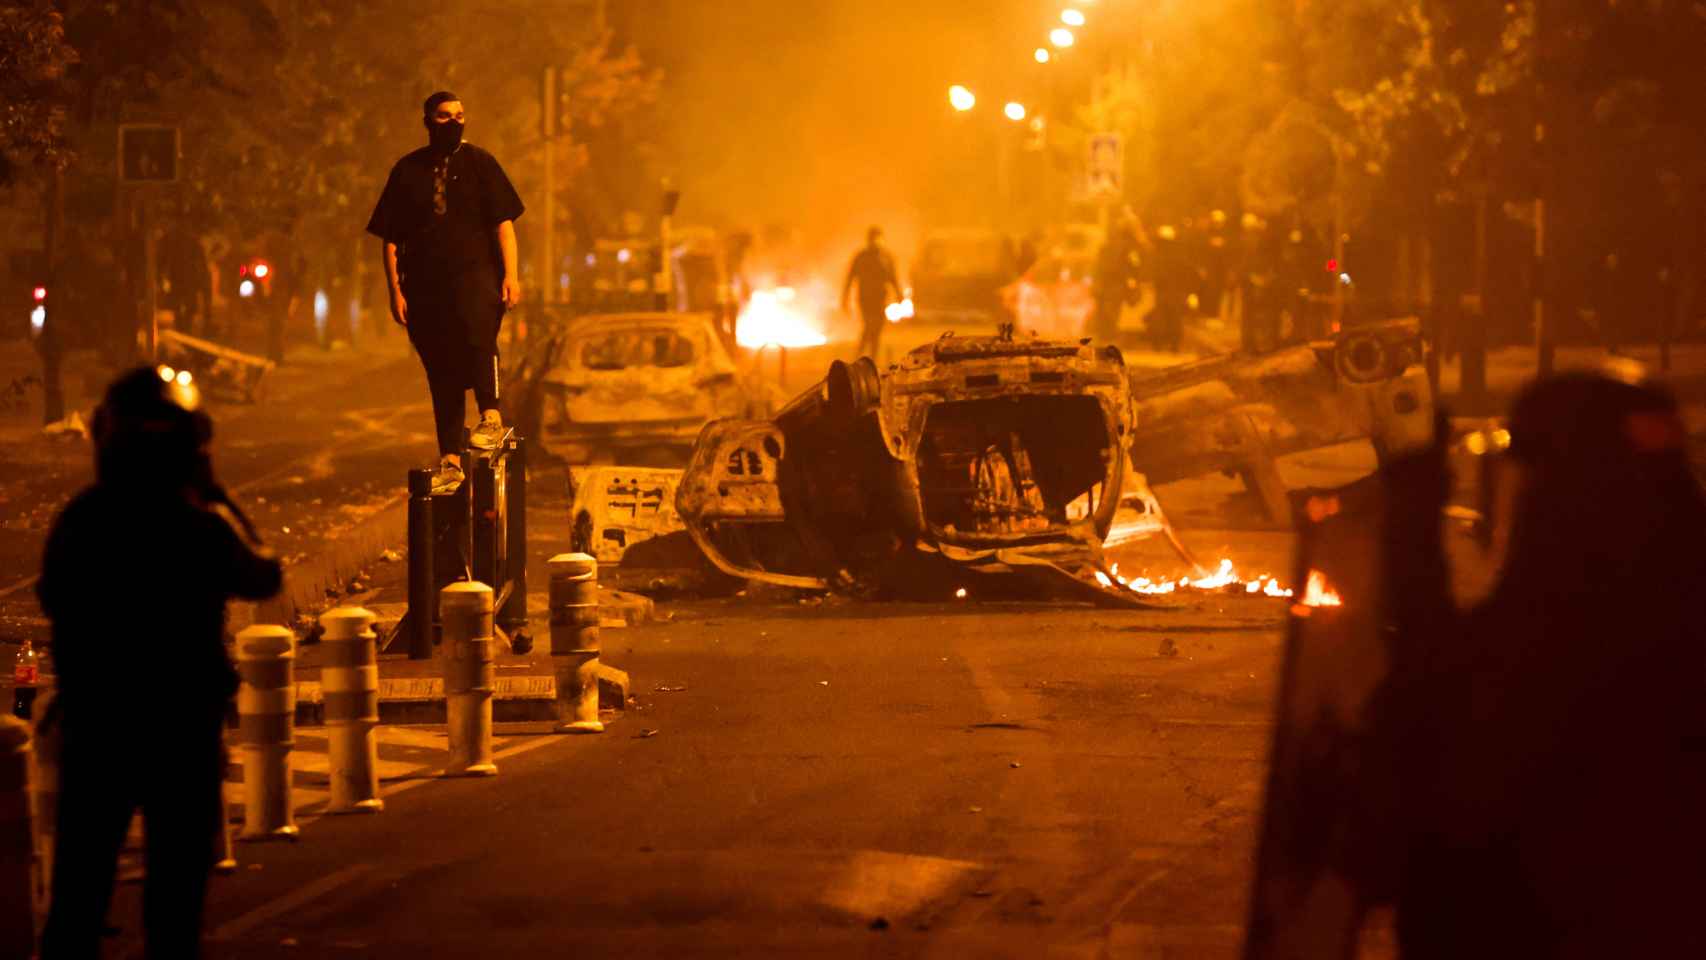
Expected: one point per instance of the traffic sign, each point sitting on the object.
(1105, 170)
(147, 153)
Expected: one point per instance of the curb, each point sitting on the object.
(306, 583)
(412, 700)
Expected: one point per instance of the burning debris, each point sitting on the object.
(1225, 579)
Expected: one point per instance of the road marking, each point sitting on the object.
(23, 584)
(434, 774)
(279, 906)
(1184, 722)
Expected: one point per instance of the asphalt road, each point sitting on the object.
(918, 780)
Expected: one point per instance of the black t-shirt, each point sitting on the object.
(442, 212)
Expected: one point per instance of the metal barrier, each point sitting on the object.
(477, 532)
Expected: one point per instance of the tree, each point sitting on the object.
(33, 60)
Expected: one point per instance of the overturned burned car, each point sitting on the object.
(974, 450)
(639, 386)
(1014, 455)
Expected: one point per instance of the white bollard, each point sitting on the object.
(465, 611)
(266, 729)
(575, 641)
(349, 685)
(17, 861)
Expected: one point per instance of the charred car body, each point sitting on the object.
(977, 450)
(1014, 455)
(639, 386)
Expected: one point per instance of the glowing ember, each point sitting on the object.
(1224, 579)
(774, 318)
(1316, 593)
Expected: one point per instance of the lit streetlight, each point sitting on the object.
(1042, 55)
(1015, 111)
(1072, 17)
(960, 98)
(1060, 37)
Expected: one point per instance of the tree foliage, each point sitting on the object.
(34, 57)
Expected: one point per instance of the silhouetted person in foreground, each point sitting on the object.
(136, 574)
(873, 270)
(446, 224)
(1551, 741)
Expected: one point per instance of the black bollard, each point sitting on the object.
(423, 593)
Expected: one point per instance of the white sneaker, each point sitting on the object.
(488, 433)
(448, 479)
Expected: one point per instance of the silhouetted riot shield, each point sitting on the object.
(1329, 778)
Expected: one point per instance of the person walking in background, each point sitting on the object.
(163, 547)
(873, 270)
(446, 222)
(1115, 283)
(1173, 279)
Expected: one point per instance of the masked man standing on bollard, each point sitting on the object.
(135, 578)
(447, 222)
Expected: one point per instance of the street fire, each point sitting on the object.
(1224, 579)
(896, 312)
(1316, 593)
(775, 318)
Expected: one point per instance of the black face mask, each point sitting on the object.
(446, 136)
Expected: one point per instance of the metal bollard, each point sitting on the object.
(266, 729)
(17, 862)
(422, 550)
(465, 609)
(574, 641)
(349, 681)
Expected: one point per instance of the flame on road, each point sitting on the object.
(1225, 579)
(896, 312)
(1316, 593)
(777, 318)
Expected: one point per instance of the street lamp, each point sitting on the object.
(1015, 111)
(1042, 55)
(1060, 37)
(1072, 17)
(960, 98)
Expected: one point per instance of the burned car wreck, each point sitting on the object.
(641, 385)
(980, 451)
(1021, 457)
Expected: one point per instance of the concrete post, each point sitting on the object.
(349, 681)
(266, 729)
(465, 609)
(17, 863)
(575, 642)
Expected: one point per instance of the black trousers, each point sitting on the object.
(454, 330)
(104, 780)
(871, 320)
